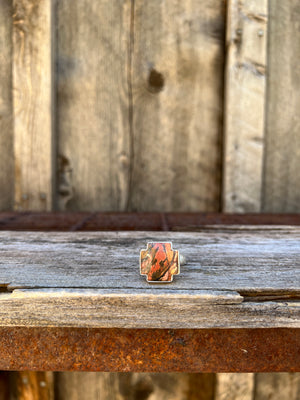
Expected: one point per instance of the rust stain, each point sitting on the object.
(150, 350)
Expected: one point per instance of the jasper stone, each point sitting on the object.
(159, 262)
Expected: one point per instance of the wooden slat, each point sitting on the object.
(61, 308)
(177, 85)
(33, 104)
(6, 120)
(245, 105)
(250, 260)
(282, 156)
(92, 114)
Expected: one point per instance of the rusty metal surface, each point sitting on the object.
(155, 350)
(81, 221)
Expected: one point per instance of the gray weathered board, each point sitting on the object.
(234, 278)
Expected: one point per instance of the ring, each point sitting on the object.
(159, 262)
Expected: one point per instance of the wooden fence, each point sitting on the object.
(151, 106)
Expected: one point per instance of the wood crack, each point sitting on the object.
(4, 288)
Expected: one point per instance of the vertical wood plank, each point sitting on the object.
(93, 122)
(281, 386)
(245, 105)
(234, 386)
(33, 103)
(176, 100)
(282, 155)
(29, 385)
(6, 111)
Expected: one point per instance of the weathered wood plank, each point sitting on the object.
(177, 86)
(33, 104)
(263, 261)
(282, 155)
(6, 111)
(245, 105)
(92, 113)
(61, 308)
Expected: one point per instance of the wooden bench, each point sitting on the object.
(76, 301)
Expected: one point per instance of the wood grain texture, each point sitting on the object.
(280, 386)
(6, 111)
(130, 116)
(177, 87)
(60, 308)
(245, 105)
(234, 386)
(33, 103)
(92, 114)
(250, 260)
(282, 155)
(245, 278)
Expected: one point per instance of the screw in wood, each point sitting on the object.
(260, 33)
